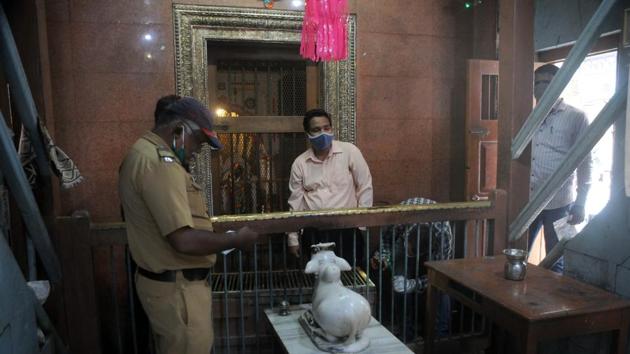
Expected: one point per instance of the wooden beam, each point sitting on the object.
(108, 233)
(603, 44)
(312, 86)
(608, 115)
(584, 43)
(345, 221)
(516, 67)
(259, 124)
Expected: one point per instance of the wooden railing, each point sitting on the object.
(102, 315)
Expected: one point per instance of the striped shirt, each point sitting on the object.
(551, 143)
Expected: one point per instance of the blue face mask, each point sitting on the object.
(321, 141)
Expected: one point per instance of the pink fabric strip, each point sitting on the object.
(324, 30)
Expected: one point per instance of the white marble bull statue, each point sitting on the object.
(341, 313)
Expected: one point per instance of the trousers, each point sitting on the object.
(180, 314)
(545, 220)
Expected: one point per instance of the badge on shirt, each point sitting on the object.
(165, 155)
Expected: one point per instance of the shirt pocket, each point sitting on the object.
(313, 179)
(342, 178)
(562, 137)
(196, 200)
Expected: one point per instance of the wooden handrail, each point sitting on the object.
(280, 222)
(356, 217)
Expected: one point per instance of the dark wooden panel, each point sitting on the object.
(77, 286)
(488, 178)
(516, 65)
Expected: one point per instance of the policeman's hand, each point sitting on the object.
(294, 250)
(246, 238)
(577, 214)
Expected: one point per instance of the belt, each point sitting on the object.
(170, 275)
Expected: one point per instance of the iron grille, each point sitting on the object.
(290, 280)
(254, 168)
(268, 88)
(254, 171)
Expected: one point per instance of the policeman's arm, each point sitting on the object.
(163, 189)
(201, 242)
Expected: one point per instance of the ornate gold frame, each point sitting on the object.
(195, 25)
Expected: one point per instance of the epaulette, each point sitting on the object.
(166, 155)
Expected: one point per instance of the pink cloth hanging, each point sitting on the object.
(324, 30)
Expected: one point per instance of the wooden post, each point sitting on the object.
(500, 236)
(516, 70)
(78, 288)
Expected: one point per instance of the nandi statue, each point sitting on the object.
(340, 315)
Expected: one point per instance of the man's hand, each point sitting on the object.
(294, 250)
(246, 238)
(374, 262)
(577, 214)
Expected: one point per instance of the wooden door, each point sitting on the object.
(482, 106)
(481, 128)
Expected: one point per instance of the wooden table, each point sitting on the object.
(544, 305)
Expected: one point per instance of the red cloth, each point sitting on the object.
(325, 30)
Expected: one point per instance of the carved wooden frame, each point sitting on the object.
(195, 25)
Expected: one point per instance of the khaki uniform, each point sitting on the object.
(159, 196)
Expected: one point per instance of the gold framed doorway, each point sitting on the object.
(197, 25)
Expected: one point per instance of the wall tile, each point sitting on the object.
(57, 11)
(443, 57)
(98, 194)
(394, 97)
(118, 48)
(395, 181)
(119, 97)
(441, 141)
(63, 93)
(444, 98)
(122, 11)
(402, 16)
(440, 181)
(402, 55)
(72, 141)
(450, 18)
(397, 139)
(59, 47)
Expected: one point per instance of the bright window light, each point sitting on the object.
(592, 85)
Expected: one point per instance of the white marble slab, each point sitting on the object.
(296, 341)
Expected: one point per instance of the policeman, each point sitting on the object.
(169, 230)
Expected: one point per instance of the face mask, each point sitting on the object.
(321, 141)
(181, 151)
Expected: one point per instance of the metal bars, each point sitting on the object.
(587, 38)
(611, 111)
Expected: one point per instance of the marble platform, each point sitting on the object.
(296, 341)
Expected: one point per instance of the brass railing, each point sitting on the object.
(263, 277)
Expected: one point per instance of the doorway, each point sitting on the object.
(592, 85)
